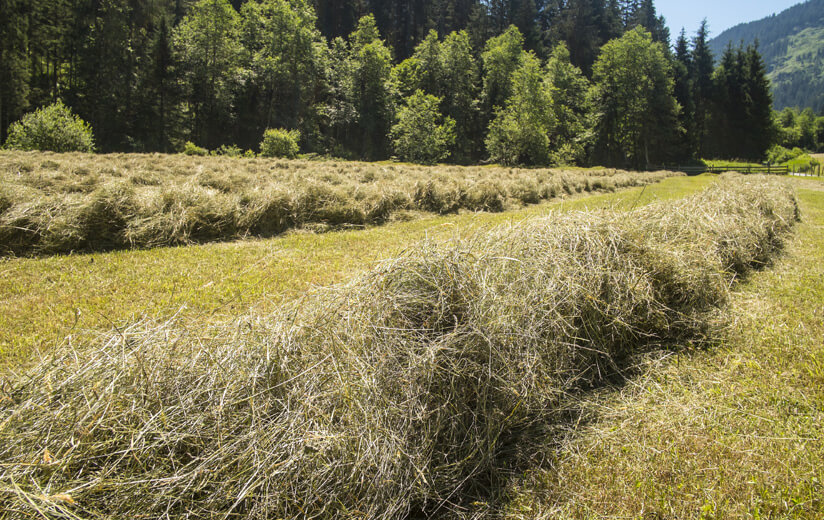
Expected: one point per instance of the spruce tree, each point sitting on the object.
(701, 71)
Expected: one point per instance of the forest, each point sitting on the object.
(529, 82)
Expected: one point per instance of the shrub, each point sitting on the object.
(230, 150)
(54, 128)
(191, 148)
(278, 142)
(779, 155)
(418, 137)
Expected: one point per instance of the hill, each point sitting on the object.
(792, 44)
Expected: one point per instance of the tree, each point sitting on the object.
(701, 71)
(14, 71)
(681, 67)
(284, 52)
(209, 52)
(520, 132)
(421, 134)
(502, 56)
(571, 132)
(460, 89)
(369, 90)
(636, 112)
(742, 120)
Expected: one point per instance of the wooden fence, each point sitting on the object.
(698, 170)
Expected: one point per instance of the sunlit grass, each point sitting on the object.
(730, 432)
(44, 300)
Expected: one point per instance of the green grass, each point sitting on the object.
(729, 432)
(44, 300)
(717, 163)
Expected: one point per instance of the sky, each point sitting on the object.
(720, 14)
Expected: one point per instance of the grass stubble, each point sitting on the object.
(422, 388)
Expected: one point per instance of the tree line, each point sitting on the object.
(514, 81)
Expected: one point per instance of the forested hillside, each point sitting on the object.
(792, 44)
(510, 81)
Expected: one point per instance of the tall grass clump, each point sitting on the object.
(415, 391)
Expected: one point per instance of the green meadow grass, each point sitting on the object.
(733, 431)
(45, 301)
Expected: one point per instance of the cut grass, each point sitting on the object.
(62, 203)
(732, 432)
(416, 390)
(43, 300)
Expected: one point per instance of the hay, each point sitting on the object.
(414, 391)
(65, 203)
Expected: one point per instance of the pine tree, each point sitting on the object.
(701, 73)
(681, 65)
(636, 112)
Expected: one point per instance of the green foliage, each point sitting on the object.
(636, 112)
(799, 129)
(209, 50)
(231, 150)
(278, 142)
(284, 52)
(53, 128)
(520, 132)
(419, 136)
(742, 119)
(571, 133)
(780, 155)
(191, 148)
(792, 44)
(501, 58)
(368, 90)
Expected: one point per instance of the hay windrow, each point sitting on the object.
(82, 202)
(413, 391)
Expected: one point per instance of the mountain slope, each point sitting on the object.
(792, 44)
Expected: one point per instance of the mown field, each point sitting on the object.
(46, 299)
(61, 203)
(534, 363)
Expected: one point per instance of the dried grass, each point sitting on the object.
(414, 391)
(58, 203)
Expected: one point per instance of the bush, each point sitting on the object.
(779, 155)
(278, 142)
(230, 150)
(51, 129)
(191, 148)
(417, 137)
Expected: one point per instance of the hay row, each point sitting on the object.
(58, 203)
(416, 391)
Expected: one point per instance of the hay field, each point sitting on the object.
(60, 203)
(421, 388)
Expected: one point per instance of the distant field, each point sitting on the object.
(44, 300)
(60, 203)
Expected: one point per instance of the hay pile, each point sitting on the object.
(59, 203)
(412, 392)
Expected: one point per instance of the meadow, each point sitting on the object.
(433, 383)
(61, 203)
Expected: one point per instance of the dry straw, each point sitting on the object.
(417, 390)
(58, 203)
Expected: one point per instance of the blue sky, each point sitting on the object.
(720, 14)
